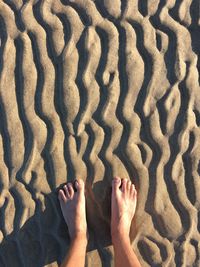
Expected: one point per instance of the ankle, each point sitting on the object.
(80, 237)
(119, 237)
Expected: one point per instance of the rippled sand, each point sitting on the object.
(94, 89)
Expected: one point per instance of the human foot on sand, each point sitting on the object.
(73, 208)
(72, 205)
(124, 200)
(123, 205)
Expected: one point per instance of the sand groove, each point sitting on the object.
(94, 89)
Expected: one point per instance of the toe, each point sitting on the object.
(116, 183)
(70, 189)
(133, 190)
(61, 195)
(128, 186)
(124, 184)
(79, 185)
(67, 194)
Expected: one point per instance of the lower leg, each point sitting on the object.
(76, 254)
(73, 208)
(124, 198)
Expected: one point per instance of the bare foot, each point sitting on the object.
(124, 200)
(73, 209)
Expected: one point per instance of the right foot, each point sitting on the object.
(124, 200)
(72, 204)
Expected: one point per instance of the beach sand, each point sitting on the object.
(91, 90)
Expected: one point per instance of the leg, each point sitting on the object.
(73, 209)
(124, 198)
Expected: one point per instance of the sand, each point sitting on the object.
(95, 89)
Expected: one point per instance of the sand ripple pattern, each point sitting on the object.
(94, 89)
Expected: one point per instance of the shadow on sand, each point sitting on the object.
(44, 239)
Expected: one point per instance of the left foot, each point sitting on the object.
(72, 204)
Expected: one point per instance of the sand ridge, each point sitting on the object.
(94, 89)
